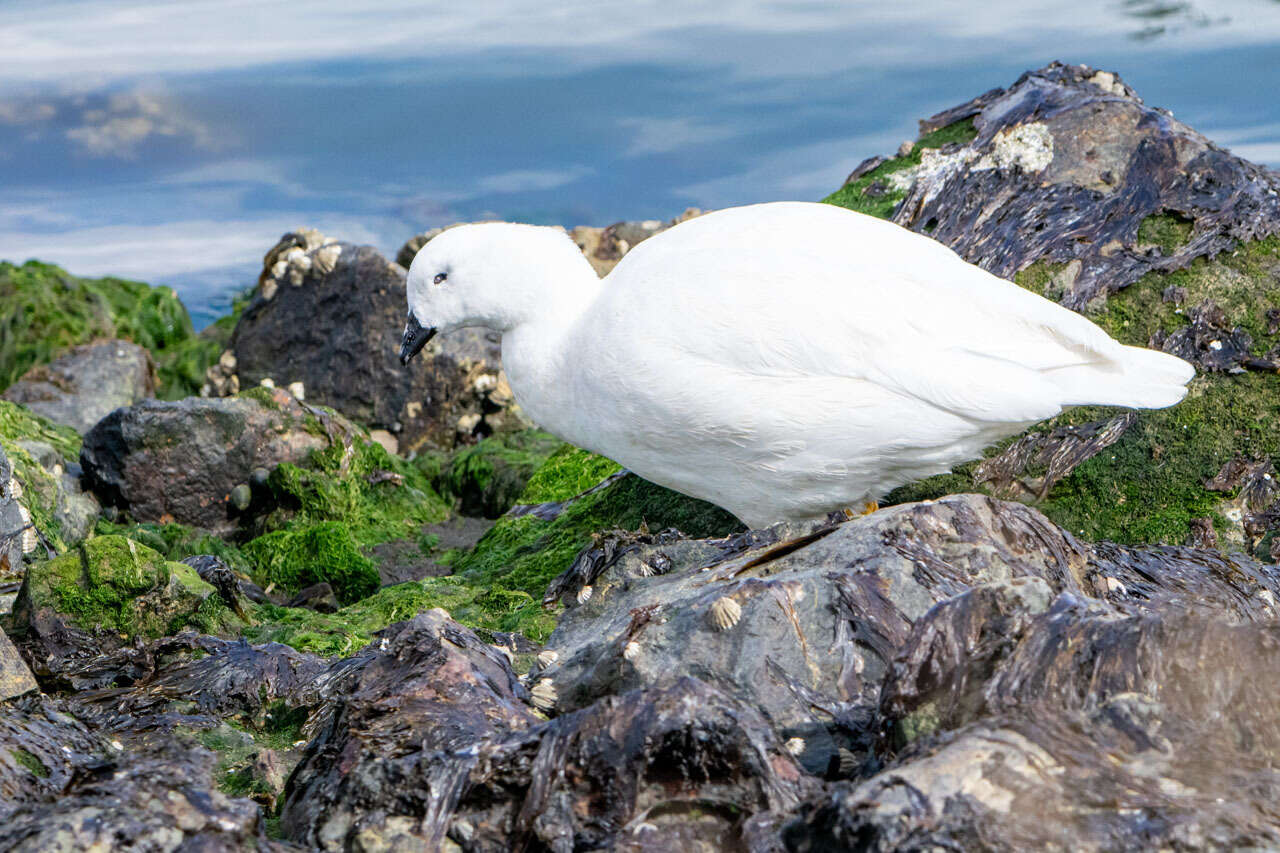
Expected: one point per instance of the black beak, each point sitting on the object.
(415, 338)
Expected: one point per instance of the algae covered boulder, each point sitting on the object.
(81, 387)
(181, 461)
(42, 507)
(1069, 184)
(488, 477)
(48, 311)
(107, 591)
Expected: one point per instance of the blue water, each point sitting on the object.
(174, 142)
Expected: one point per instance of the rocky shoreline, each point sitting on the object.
(263, 589)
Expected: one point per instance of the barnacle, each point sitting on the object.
(724, 613)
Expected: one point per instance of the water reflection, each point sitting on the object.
(175, 142)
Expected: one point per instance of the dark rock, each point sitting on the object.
(1038, 461)
(1068, 727)
(318, 597)
(426, 737)
(604, 247)
(1211, 343)
(78, 790)
(220, 576)
(328, 315)
(1076, 152)
(402, 559)
(82, 387)
(179, 461)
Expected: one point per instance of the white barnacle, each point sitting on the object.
(645, 570)
(584, 594)
(795, 745)
(631, 650)
(29, 538)
(547, 658)
(724, 613)
(1114, 585)
(544, 695)
(15, 489)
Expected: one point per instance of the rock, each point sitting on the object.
(462, 757)
(180, 461)
(604, 247)
(1030, 724)
(17, 533)
(1053, 145)
(318, 597)
(328, 315)
(80, 388)
(15, 678)
(85, 791)
(487, 479)
(104, 594)
(820, 618)
(41, 493)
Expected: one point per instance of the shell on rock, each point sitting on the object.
(544, 695)
(15, 489)
(724, 613)
(547, 658)
(848, 762)
(631, 650)
(584, 594)
(795, 745)
(29, 538)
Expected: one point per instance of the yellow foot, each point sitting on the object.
(867, 508)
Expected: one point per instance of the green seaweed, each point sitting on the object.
(489, 476)
(40, 487)
(305, 554)
(33, 764)
(48, 310)
(568, 472)
(874, 194)
(177, 541)
(1168, 231)
(112, 584)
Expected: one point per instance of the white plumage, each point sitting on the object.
(781, 360)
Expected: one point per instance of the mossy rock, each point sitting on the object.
(487, 478)
(112, 586)
(20, 428)
(525, 552)
(306, 554)
(48, 310)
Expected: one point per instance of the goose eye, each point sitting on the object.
(440, 276)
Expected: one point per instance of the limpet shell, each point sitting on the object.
(544, 695)
(584, 594)
(724, 613)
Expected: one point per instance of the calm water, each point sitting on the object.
(174, 142)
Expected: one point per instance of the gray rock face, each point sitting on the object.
(329, 315)
(80, 388)
(1076, 152)
(15, 678)
(17, 535)
(807, 629)
(179, 461)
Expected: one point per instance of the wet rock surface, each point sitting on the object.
(1075, 151)
(82, 387)
(328, 315)
(181, 461)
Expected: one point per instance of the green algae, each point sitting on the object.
(568, 472)
(177, 541)
(48, 310)
(305, 554)
(40, 488)
(874, 194)
(352, 627)
(112, 584)
(526, 552)
(30, 762)
(1167, 231)
(1148, 486)
(488, 477)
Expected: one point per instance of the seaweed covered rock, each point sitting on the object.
(463, 758)
(1067, 725)
(487, 478)
(78, 788)
(1069, 184)
(80, 388)
(42, 507)
(181, 461)
(48, 311)
(104, 593)
(328, 315)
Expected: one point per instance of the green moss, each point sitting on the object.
(351, 628)
(1148, 486)
(113, 584)
(874, 194)
(47, 311)
(1169, 231)
(568, 472)
(487, 478)
(31, 762)
(526, 553)
(304, 554)
(39, 487)
(176, 542)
